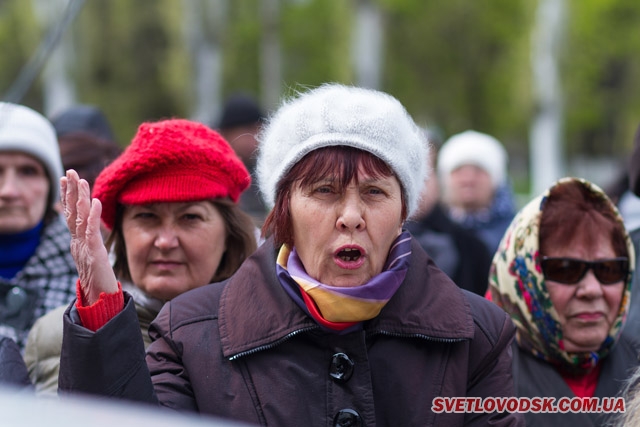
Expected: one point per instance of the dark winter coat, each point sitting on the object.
(632, 326)
(13, 371)
(243, 349)
(457, 251)
(535, 377)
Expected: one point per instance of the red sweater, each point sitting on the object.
(583, 385)
(95, 316)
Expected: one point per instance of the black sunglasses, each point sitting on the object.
(571, 270)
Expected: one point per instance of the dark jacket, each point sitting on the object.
(634, 165)
(42, 351)
(457, 251)
(535, 377)
(632, 325)
(13, 371)
(243, 349)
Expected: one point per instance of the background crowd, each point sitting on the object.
(324, 253)
(166, 216)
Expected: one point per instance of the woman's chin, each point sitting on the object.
(163, 291)
(346, 281)
(583, 346)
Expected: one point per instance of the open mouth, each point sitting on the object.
(349, 254)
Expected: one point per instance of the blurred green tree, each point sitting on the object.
(455, 64)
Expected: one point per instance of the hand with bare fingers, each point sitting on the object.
(87, 248)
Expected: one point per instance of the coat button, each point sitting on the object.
(16, 299)
(341, 367)
(347, 418)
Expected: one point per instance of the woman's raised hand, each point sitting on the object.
(87, 247)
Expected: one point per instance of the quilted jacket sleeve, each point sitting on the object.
(491, 374)
(108, 362)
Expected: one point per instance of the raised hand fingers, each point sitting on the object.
(63, 192)
(93, 222)
(70, 199)
(83, 206)
(76, 203)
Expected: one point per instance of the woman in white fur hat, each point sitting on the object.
(339, 318)
(37, 272)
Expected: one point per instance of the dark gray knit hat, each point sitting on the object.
(240, 109)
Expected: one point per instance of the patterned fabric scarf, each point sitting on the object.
(341, 307)
(517, 285)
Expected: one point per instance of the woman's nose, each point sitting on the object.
(351, 214)
(166, 238)
(9, 185)
(589, 286)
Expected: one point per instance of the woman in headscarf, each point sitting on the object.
(339, 318)
(563, 272)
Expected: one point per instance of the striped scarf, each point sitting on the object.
(338, 308)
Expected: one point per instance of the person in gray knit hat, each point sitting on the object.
(37, 272)
(339, 318)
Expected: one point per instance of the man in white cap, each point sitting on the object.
(472, 167)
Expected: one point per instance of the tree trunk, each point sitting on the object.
(270, 54)
(59, 90)
(204, 25)
(367, 44)
(546, 140)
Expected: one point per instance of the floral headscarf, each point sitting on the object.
(517, 285)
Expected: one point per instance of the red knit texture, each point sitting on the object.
(97, 315)
(172, 160)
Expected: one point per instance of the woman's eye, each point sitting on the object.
(29, 171)
(191, 217)
(144, 215)
(325, 189)
(374, 191)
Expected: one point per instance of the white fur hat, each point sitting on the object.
(338, 115)
(473, 148)
(24, 130)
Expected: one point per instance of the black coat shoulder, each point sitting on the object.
(13, 370)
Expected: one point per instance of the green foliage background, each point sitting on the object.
(455, 64)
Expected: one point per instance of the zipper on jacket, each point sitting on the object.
(425, 337)
(391, 334)
(273, 344)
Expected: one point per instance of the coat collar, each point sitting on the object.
(256, 313)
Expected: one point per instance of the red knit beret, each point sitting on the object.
(173, 160)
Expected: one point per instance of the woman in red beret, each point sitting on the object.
(170, 204)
